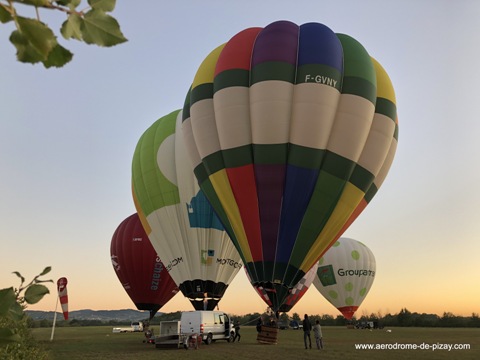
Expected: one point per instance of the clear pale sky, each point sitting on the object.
(67, 138)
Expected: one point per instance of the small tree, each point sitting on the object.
(16, 341)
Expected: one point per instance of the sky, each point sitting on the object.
(67, 138)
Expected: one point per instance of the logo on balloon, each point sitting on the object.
(350, 272)
(115, 263)
(201, 215)
(174, 263)
(230, 262)
(326, 275)
(207, 256)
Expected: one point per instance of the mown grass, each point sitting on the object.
(100, 343)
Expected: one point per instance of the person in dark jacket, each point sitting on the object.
(259, 324)
(307, 328)
(237, 331)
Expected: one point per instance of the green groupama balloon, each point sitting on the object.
(345, 275)
(291, 131)
(179, 221)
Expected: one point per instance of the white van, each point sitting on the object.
(137, 326)
(211, 325)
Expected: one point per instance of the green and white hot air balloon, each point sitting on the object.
(179, 221)
(345, 274)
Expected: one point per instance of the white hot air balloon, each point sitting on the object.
(345, 275)
(179, 221)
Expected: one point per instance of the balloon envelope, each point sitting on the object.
(139, 269)
(295, 294)
(179, 220)
(345, 275)
(291, 130)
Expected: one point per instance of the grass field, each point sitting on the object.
(100, 343)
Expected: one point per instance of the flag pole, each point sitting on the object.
(54, 319)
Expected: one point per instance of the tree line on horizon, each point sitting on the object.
(404, 318)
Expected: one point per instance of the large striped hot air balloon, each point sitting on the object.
(181, 224)
(291, 131)
(139, 268)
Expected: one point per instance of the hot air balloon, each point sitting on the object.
(345, 275)
(291, 130)
(179, 221)
(139, 269)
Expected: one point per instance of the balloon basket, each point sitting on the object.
(268, 335)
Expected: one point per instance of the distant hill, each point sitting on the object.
(102, 315)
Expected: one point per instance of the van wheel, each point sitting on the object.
(230, 339)
(209, 339)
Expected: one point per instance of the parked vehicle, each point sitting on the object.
(294, 324)
(135, 326)
(168, 335)
(283, 325)
(210, 325)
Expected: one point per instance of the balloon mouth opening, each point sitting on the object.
(348, 311)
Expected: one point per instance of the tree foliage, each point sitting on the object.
(16, 341)
(35, 42)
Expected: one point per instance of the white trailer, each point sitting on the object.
(168, 335)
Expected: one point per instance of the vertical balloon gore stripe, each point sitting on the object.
(232, 78)
(386, 108)
(334, 197)
(220, 183)
(319, 73)
(243, 185)
(276, 42)
(237, 53)
(273, 69)
(145, 170)
(350, 199)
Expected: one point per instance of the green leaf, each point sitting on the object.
(7, 299)
(54, 50)
(8, 336)
(101, 29)
(58, 57)
(105, 5)
(71, 28)
(25, 51)
(5, 16)
(34, 2)
(72, 4)
(20, 276)
(38, 35)
(45, 271)
(35, 293)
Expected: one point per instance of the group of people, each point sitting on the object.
(307, 329)
(317, 332)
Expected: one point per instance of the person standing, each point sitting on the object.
(259, 324)
(317, 332)
(205, 301)
(237, 331)
(307, 328)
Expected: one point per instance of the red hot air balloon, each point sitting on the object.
(139, 269)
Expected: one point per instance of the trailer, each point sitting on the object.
(169, 335)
